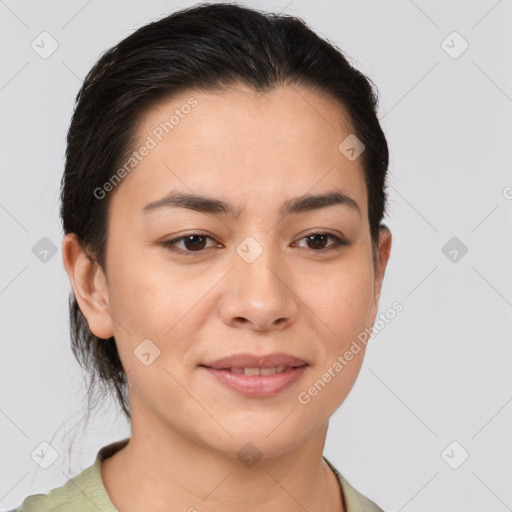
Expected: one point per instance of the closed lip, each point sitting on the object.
(255, 361)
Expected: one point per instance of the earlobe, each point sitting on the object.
(89, 286)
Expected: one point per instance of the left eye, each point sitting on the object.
(320, 238)
(195, 242)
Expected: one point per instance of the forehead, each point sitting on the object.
(236, 142)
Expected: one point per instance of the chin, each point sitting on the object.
(263, 440)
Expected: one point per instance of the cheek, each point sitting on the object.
(142, 293)
(154, 301)
(149, 306)
(342, 300)
(342, 305)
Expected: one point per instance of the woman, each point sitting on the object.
(222, 204)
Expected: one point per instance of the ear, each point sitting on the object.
(89, 286)
(382, 258)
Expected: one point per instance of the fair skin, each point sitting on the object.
(255, 152)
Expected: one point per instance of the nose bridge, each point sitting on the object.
(259, 264)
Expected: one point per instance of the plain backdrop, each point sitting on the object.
(427, 425)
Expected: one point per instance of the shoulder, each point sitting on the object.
(354, 500)
(82, 493)
(69, 496)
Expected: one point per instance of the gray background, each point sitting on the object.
(439, 372)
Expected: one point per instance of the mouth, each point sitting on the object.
(238, 363)
(267, 380)
(251, 372)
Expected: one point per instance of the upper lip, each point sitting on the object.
(255, 361)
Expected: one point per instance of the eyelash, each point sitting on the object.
(171, 244)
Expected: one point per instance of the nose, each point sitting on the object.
(259, 294)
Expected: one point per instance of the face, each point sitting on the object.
(266, 271)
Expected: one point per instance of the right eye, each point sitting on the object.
(193, 242)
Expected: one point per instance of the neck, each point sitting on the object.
(166, 470)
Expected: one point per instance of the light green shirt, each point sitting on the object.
(86, 492)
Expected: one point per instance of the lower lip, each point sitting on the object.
(258, 385)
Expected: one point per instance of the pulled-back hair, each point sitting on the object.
(205, 47)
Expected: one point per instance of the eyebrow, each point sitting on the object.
(211, 205)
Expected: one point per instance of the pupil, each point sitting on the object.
(315, 237)
(197, 243)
